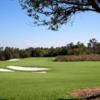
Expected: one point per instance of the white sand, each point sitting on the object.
(53, 58)
(43, 72)
(14, 60)
(19, 68)
(5, 70)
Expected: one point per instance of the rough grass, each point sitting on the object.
(57, 84)
(91, 57)
(87, 94)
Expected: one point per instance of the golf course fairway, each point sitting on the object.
(57, 84)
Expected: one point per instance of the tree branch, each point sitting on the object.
(95, 5)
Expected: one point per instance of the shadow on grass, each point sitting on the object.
(93, 97)
(3, 99)
(68, 99)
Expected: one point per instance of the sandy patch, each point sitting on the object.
(42, 72)
(14, 60)
(19, 68)
(5, 70)
(53, 58)
(87, 94)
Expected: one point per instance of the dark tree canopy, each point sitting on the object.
(57, 12)
(92, 48)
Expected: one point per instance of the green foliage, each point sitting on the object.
(55, 13)
(79, 48)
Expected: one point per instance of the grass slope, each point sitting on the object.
(55, 85)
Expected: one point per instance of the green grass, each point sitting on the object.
(57, 84)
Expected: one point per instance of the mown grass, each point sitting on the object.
(57, 84)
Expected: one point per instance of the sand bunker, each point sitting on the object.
(19, 68)
(42, 72)
(5, 70)
(14, 60)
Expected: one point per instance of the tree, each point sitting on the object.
(1, 53)
(92, 45)
(57, 12)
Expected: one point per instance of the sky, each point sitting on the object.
(17, 29)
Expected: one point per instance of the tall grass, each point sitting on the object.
(92, 57)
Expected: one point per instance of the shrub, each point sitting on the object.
(92, 57)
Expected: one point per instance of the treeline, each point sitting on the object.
(92, 47)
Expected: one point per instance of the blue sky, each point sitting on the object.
(17, 29)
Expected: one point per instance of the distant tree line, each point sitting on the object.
(92, 47)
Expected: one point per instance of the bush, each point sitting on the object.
(92, 57)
